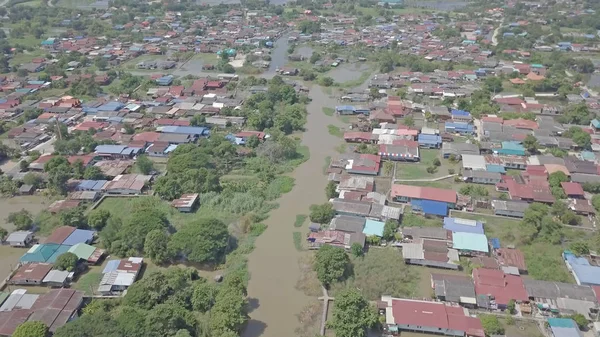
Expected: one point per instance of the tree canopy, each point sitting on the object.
(352, 314)
(31, 329)
(66, 261)
(322, 213)
(331, 264)
(202, 241)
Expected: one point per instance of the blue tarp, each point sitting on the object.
(79, 236)
(495, 243)
(434, 207)
(456, 112)
(111, 266)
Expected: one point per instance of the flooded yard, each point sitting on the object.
(348, 72)
(304, 51)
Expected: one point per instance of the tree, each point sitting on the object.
(144, 164)
(491, 325)
(511, 307)
(330, 190)
(21, 219)
(493, 84)
(166, 319)
(389, 229)
(581, 321)
(155, 246)
(531, 144)
(24, 165)
(326, 81)
(202, 241)
(3, 234)
(204, 296)
(32, 179)
(93, 173)
(556, 178)
(322, 213)
(73, 217)
(436, 162)
(31, 329)
(357, 250)
(98, 218)
(198, 120)
(352, 314)
(409, 121)
(596, 202)
(253, 142)
(331, 264)
(579, 248)
(66, 261)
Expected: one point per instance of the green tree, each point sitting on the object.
(204, 296)
(202, 241)
(596, 202)
(581, 321)
(491, 325)
(493, 84)
(357, 250)
(33, 179)
(389, 229)
(144, 164)
(331, 264)
(3, 234)
(330, 190)
(155, 246)
(580, 248)
(511, 307)
(322, 214)
(66, 261)
(198, 120)
(31, 329)
(530, 143)
(326, 81)
(352, 314)
(168, 318)
(253, 142)
(22, 219)
(228, 315)
(93, 173)
(24, 165)
(97, 218)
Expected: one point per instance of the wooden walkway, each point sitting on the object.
(325, 298)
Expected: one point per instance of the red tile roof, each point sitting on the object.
(572, 188)
(149, 137)
(521, 123)
(428, 193)
(502, 287)
(31, 272)
(511, 257)
(436, 315)
(60, 234)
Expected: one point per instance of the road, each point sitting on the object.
(496, 32)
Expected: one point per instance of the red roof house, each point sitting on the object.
(502, 287)
(573, 190)
(408, 192)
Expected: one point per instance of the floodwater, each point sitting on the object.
(347, 72)
(278, 55)
(273, 265)
(305, 51)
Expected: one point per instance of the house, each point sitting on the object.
(117, 151)
(511, 149)
(87, 253)
(402, 150)
(30, 274)
(190, 131)
(187, 202)
(562, 296)
(581, 269)
(429, 141)
(459, 149)
(428, 317)
(367, 164)
(347, 224)
(511, 257)
(502, 288)
(463, 225)
(20, 239)
(351, 207)
(58, 278)
(573, 190)
(509, 208)
(59, 235)
(433, 233)
(335, 238)
(471, 244)
(128, 184)
(456, 289)
(462, 128)
(564, 327)
(54, 308)
(429, 200)
(242, 137)
(160, 149)
(482, 177)
(26, 189)
(430, 253)
(118, 275)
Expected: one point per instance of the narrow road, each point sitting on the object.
(325, 298)
(273, 264)
(496, 32)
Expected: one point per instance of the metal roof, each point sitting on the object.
(79, 236)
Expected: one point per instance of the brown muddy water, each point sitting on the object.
(273, 265)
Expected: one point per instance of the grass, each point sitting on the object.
(298, 241)
(328, 111)
(341, 148)
(89, 281)
(326, 165)
(335, 131)
(300, 220)
(521, 328)
(27, 41)
(345, 119)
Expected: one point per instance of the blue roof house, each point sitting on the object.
(111, 266)
(430, 141)
(430, 207)
(165, 80)
(463, 225)
(512, 149)
(595, 124)
(373, 227)
(462, 128)
(91, 185)
(582, 270)
(345, 110)
(193, 131)
(470, 243)
(117, 151)
(79, 236)
(564, 327)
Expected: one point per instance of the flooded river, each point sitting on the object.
(273, 264)
(279, 55)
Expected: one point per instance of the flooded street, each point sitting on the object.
(279, 55)
(273, 265)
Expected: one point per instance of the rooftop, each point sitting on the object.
(470, 241)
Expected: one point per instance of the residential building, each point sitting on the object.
(463, 225)
(514, 209)
(430, 253)
(428, 317)
(118, 275)
(482, 177)
(459, 149)
(20, 238)
(335, 238)
(454, 289)
(30, 274)
(405, 150)
(429, 200)
(469, 243)
(581, 269)
(564, 327)
(429, 141)
(187, 202)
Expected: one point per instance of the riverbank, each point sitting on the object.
(273, 265)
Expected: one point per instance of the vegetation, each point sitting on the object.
(330, 190)
(22, 219)
(581, 321)
(31, 329)
(300, 220)
(334, 130)
(491, 325)
(331, 264)
(66, 261)
(144, 164)
(352, 314)
(322, 214)
(202, 241)
(297, 237)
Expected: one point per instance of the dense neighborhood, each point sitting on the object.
(163, 167)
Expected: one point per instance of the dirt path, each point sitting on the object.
(273, 264)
